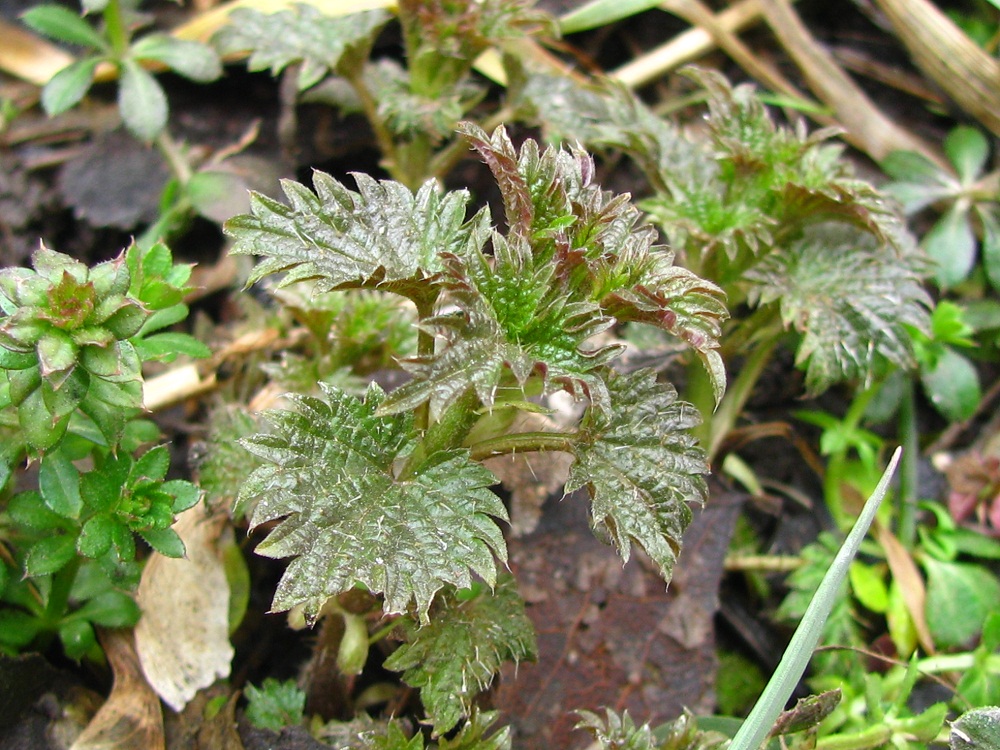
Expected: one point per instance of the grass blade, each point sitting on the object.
(796, 657)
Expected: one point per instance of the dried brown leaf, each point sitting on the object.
(131, 717)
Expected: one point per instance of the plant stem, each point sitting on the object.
(717, 425)
(174, 157)
(446, 433)
(906, 500)
(522, 442)
(446, 159)
(115, 27)
(872, 737)
(62, 584)
(386, 143)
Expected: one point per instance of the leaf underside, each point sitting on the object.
(346, 519)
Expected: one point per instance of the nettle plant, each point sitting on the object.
(387, 493)
(72, 343)
(413, 109)
(809, 255)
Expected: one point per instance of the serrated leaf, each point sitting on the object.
(456, 656)
(67, 87)
(62, 24)
(275, 705)
(189, 58)
(850, 299)
(142, 102)
(511, 316)
(382, 234)
(346, 518)
(641, 467)
(302, 34)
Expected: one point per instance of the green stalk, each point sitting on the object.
(446, 433)
(522, 442)
(115, 28)
(386, 143)
(737, 394)
(62, 585)
(754, 731)
(906, 499)
(872, 737)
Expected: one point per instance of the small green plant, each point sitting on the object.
(72, 343)
(808, 254)
(406, 511)
(413, 110)
(967, 198)
(275, 704)
(141, 99)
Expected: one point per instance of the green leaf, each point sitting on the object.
(40, 427)
(978, 729)
(60, 23)
(869, 587)
(918, 182)
(302, 34)
(850, 298)
(990, 220)
(512, 316)
(275, 705)
(102, 488)
(166, 347)
(164, 541)
(960, 596)
(346, 518)
(952, 384)
(381, 233)
(49, 555)
(77, 637)
(601, 13)
(185, 494)
(56, 353)
(18, 629)
(456, 656)
(96, 536)
(67, 87)
(112, 609)
(794, 661)
(142, 102)
(951, 244)
(189, 58)
(641, 467)
(59, 483)
(968, 149)
(27, 509)
(153, 464)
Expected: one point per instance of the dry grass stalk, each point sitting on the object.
(965, 72)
